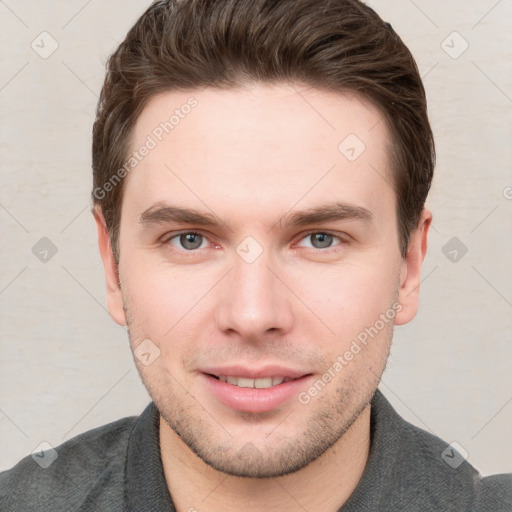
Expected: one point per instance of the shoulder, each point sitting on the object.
(493, 493)
(68, 473)
(444, 475)
(427, 473)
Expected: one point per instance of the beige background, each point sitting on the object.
(66, 367)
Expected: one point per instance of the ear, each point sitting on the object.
(410, 273)
(114, 296)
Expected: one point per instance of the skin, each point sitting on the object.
(251, 157)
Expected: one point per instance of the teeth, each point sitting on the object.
(244, 383)
(262, 383)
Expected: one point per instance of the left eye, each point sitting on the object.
(321, 240)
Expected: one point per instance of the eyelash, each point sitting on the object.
(342, 241)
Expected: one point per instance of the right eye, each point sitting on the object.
(186, 240)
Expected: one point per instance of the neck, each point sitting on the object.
(325, 484)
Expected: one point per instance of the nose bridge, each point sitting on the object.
(253, 300)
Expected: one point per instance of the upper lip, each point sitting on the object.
(255, 373)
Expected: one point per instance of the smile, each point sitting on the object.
(255, 393)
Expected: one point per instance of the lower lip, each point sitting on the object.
(252, 399)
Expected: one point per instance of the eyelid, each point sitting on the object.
(174, 234)
(166, 239)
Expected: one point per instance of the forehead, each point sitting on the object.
(263, 147)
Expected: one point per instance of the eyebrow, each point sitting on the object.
(162, 213)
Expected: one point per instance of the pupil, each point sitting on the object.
(189, 240)
(323, 238)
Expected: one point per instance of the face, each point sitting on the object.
(258, 245)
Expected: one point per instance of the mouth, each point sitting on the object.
(255, 392)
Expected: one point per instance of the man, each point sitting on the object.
(260, 175)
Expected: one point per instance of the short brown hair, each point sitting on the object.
(335, 45)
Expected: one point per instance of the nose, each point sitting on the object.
(254, 301)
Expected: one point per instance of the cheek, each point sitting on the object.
(348, 297)
(154, 298)
(168, 305)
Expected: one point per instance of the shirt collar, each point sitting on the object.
(145, 488)
(385, 428)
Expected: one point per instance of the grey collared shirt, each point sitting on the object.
(117, 467)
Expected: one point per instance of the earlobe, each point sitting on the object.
(410, 272)
(114, 295)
